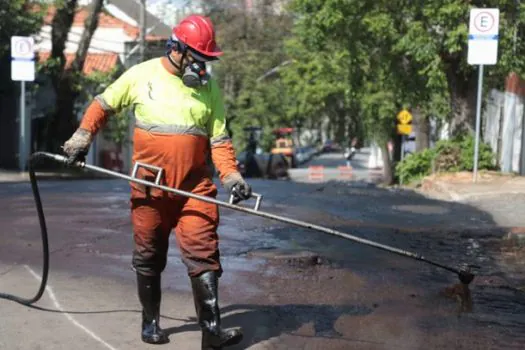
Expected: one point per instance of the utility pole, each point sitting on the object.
(142, 37)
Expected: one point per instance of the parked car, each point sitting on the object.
(330, 146)
(304, 154)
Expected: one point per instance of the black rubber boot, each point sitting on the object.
(205, 295)
(149, 295)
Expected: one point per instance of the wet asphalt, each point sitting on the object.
(288, 287)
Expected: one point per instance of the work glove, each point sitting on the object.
(77, 146)
(236, 186)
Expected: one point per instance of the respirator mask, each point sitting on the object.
(193, 73)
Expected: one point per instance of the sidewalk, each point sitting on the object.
(501, 195)
(13, 176)
(460, 187)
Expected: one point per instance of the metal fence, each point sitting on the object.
(504, 127)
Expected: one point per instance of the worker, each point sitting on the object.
(179, 118)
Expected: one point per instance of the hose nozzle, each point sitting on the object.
(58, 158)
(465, 273)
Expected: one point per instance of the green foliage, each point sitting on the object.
(485, 159)
(402, 53)
(447, 156)
(416, 166)
(17, 17)
(253, 46)
(355, 62)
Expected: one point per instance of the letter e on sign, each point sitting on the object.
(484, 21)
(22, 47)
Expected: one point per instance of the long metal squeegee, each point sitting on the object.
(464, 273)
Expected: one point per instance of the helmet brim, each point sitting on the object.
(206, 56)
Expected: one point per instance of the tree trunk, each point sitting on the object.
(396, 156)
(341, 127)
(462, 100)
(60, 27)
(421, 130)
(388, 171)
(62, 124)
(353, 124)
(90, 25)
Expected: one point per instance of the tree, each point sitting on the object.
(253, 45)
(401, 53)
(355, 82)
(62, 122)
(18, 17)
(433, 38)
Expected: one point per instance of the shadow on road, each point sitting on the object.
(262, 322)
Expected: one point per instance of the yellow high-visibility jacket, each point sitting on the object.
(174, 125)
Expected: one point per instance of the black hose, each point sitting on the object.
(43, 232)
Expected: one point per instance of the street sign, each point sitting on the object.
(23, 69)
(22, 47)
(404, 117)
(482, 50)
(22, 58)
(404, 129)
(483, 36)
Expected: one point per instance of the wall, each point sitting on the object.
(504, 127)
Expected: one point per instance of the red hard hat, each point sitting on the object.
(198, 33)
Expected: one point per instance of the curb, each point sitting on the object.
(429, 186)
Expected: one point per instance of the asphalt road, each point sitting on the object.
(288, 287)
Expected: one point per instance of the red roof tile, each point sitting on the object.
(105, 21)
(95, 62)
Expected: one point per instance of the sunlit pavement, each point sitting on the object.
(288, 287)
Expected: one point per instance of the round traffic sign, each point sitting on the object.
(22, 47)
(484, 21)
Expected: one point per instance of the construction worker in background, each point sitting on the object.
(179, 117)
(350, 152)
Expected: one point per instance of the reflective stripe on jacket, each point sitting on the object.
(163, 104)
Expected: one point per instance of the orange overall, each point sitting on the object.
(176, 128)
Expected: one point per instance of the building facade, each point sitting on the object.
(114, 46)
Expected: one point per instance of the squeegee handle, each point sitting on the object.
(254, 211)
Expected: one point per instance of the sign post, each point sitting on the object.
(23, 69)
(404, 128)
(482, 50)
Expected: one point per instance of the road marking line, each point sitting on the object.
(68, 316)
